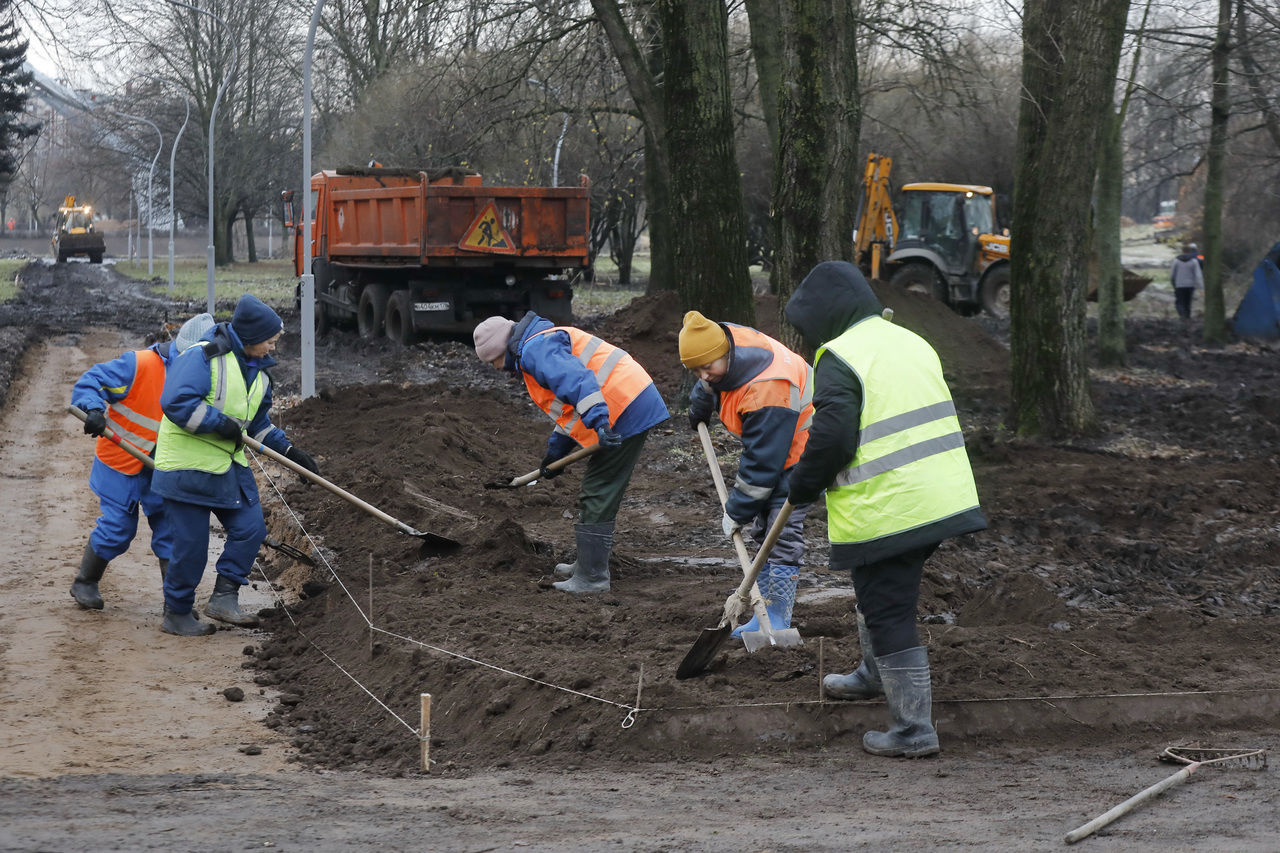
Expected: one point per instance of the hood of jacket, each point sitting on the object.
(530, 324)
(1187, 256)
(832, 297)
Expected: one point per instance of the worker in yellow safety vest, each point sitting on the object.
(886, 446)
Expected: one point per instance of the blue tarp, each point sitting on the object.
(1258, 316)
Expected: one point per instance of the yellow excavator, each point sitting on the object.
(75, 234)
(944, 242)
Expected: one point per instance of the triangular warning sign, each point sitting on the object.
(486, 234)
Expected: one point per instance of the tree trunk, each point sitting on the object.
(1215, 324)
(709, 250)
(820, 119)
(250, 247)
(766, 49)
(1111, 343)
(1070, 55)
(657, 190)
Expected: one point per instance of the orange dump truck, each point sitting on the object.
(405, 252)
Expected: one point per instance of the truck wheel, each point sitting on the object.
(399, 321)
(995, 292)
(95, 257)
(921, 278)
(372, 310)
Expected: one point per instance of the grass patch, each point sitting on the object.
(8, 277)
(271, 281)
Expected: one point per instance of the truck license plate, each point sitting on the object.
(431, 306)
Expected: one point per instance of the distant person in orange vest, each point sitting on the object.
(763, 393)
(596, 393)
(1187, 276)
(124, 395)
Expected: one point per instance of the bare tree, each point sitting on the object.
(1070, 56)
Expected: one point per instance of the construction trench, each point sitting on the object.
(1128, 588)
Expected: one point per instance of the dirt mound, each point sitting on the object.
(649, 328)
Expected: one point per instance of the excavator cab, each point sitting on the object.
(75, 234)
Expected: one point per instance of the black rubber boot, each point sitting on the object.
(595, 543)
(863, 682)
(185, 625)
(905, 676)
(85, 587)
(224, 604)
(164, 567)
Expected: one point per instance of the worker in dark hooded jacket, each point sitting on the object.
(595, 393)
(886, 446)
(763, 393)
(214, 393)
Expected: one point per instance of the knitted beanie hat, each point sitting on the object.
(701, 341)
(254, 322)
(491, 337)
(192, 331)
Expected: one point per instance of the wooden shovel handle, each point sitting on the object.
(562, 462)
(751, 596)
(110, 435)
(779, 522)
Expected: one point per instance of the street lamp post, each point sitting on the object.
(213, 120)
(150, 174)
(173, 153)
(555, 160)
(308, 280)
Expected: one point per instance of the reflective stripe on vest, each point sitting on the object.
(180, 449)
(136, 418)
(786, 366)
(911, 468)
(620, 377)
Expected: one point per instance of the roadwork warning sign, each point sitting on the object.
(486, 234)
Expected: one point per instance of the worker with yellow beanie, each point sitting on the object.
(763, 393)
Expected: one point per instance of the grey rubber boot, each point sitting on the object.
(185, 625)
(224, 604)
(84, 589)
(565, 570)
(863, 682)
(905, 676)
(164, 567)
(595, 543)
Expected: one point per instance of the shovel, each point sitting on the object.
(432, 543)
(562, 462)
(747, 596)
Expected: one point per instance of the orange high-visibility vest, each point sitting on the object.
(136, 418)
(787, 383)
(620, 377)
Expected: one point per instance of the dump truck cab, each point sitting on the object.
(948, 246)
(75, 233)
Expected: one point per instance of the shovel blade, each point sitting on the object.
(784, 638)
(435, 545)
(703, 652)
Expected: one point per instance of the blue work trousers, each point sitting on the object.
(190, 522)
(120, 496)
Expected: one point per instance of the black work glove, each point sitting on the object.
(230, 430)
(95, 422)
(697, 416)
(303, 458)
(545, 473)
(608, 438)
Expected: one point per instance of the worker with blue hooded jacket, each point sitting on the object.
(123, 395)
(763, 393)
(886, 446)
(597, 394)
(214, 393)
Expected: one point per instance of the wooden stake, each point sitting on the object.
(822, 691)
(425, 732)
(370, 613)
(639, 686)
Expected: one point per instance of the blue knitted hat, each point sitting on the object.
(254, 321)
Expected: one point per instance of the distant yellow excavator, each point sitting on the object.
(75, 234)
(944, 243)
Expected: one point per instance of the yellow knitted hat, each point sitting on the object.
(701, 341)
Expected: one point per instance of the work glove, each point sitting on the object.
(95, 422)
(546, 473)
(696, 417)
(230, 430)
(728, 525)
(608, 438)
(301, 457)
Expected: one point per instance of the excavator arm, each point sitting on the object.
(876, 225)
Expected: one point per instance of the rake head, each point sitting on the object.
(1254, 759)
